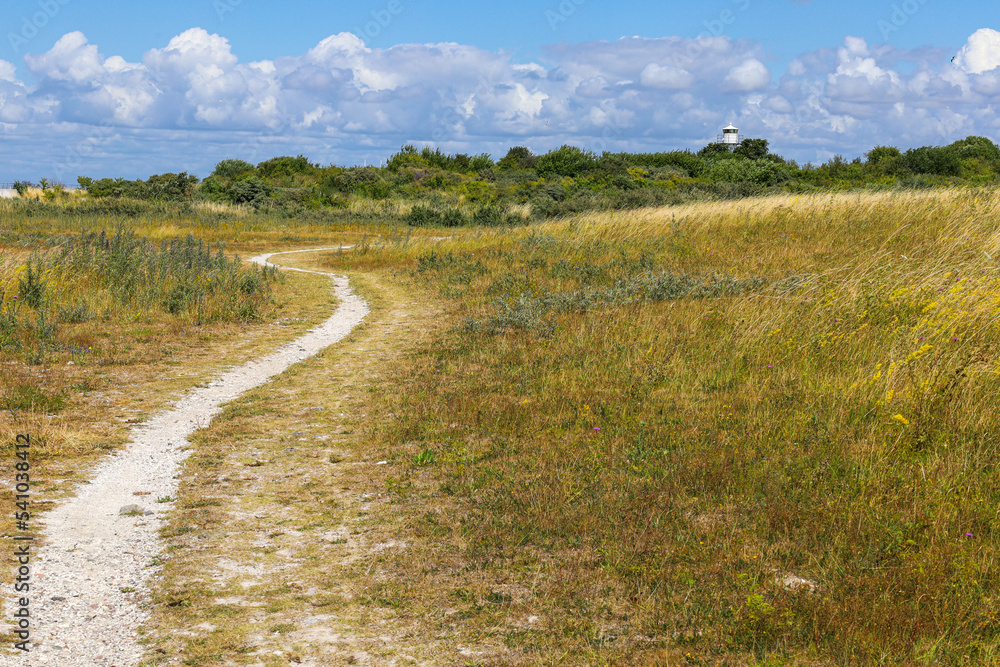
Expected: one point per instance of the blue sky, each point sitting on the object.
(123, 88)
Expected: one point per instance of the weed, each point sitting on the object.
(31, 286)
(32, 398)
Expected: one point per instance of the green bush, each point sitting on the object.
(231, 168)
(936, 160)
(453, 217)
(488, 215)
(423, 216)
(977, 147)
(285, 166)
(688, 162)
(252, 191)
(518, 157)
(758, 172)
(357, 180)
(566, 161)
(481, 162)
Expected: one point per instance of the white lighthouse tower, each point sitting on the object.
(730, 136)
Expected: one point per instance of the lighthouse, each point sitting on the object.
(730, 136)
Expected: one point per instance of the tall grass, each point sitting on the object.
(803, 467)
(122, 278)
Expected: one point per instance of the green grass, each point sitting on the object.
(30, 397)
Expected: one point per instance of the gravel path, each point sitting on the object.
(89, 582)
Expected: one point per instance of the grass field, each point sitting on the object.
(749, 432)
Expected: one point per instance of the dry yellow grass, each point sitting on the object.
(614, 457)
(829, 425)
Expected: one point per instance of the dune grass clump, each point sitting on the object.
(181, 275)
(121, 278)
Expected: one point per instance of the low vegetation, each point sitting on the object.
(733, 433)
(746, 431)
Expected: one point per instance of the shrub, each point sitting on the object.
(518, 157)
(453, 217)
(976, 147)
(252, 191)
(881, 153)
(285, 166)
(170, 187)
(422, 216)
(481, 162)
(758, 172)
(687, 161)
(214, 189)
(566, 161)
(406, 157)
(231, 168)
(753, 149)
(488, 215)
(355, 180)
(178, 298)
(932, 160)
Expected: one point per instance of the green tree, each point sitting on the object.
(285, 166)
(518, 157)
(170, 187)
(753, 149)
(566, 161)
(232, 168)
(973, 147)
(252, 191)
(880, 153)
(935, 160)
(408, 156)
(714, 149)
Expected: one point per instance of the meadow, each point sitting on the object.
(751, 429)
(749, 432)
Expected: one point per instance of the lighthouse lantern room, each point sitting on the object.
(730, 136)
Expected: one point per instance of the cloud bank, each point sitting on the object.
(345, 99)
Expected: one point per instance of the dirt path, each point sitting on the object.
(295, 515)
(103, 544)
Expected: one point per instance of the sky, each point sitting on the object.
(123, 88)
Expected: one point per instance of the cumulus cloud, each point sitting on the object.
(981, 53)
(666, 77)
(7, 71)
(347, 97)
(72, 60)
(749, 75)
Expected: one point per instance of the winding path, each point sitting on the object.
(90, 579)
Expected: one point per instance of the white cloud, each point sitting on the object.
(747, 76)
(189, 50)
(981, 52)
(72, 59)
(666, 77)
(627, 94)
(7, 71)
